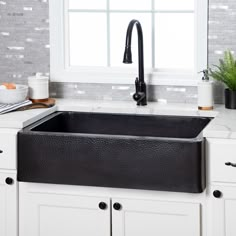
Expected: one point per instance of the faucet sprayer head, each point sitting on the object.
(127, 56)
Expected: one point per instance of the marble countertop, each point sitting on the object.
(131, 107)
(21, 119)
(222, 126)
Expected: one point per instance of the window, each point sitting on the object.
(88, 40)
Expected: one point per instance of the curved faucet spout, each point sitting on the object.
(140, 83)
(128, 54)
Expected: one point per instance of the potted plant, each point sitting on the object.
(226, 73)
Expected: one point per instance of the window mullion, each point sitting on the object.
(153, 35)
(108, 35)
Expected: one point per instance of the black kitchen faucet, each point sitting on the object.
(140, 95)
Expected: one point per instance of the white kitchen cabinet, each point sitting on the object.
(62, 213)
(222, 209)
(221, 160)
(222, 192)
(8, 204)
(8, 147)
(47, 210)
(141, 217)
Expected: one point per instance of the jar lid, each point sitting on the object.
(38, 76)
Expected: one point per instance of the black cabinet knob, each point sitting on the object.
(102, 205)
(1, 151)
(9, 181)
(217, 194)
(117, 206)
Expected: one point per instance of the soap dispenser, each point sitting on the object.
(205, 93)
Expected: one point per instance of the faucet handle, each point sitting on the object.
(138, 96)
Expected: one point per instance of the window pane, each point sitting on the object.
(119, 24)
(87, 4)
(174, 4)
(174, 40)
(88, 42)
(130, 4)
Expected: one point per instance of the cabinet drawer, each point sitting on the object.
(222, 156)
(8, 146)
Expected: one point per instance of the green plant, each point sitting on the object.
(226, 71)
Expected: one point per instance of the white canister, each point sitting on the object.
(38, 87)
(205, 93)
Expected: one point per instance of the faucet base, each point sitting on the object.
(140, 94)
(142, 103)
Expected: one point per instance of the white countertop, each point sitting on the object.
(222, 126)
(21, 119)
(131, 107)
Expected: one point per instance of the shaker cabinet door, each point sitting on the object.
(152, 218)
(45, 212)
(222, 211)
(8, 204)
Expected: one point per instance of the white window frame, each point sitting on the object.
(60, 71)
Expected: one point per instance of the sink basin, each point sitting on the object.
(115, 150)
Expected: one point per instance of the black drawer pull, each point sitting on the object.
(9, 181)
(102, 205)
(1, 151)
(117, 206)
(217, 194)
(230, 164)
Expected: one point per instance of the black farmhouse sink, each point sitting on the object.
(115, 150)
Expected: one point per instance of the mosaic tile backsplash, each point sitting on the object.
(24, 50)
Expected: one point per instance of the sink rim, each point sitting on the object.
(30, 128)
